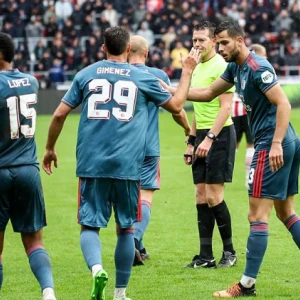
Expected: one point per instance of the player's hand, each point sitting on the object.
(192, 60)
(203, 149)
(188, 155)
(49, 156)
(170, 89)
(276, 157)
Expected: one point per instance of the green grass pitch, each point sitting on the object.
(171, 239)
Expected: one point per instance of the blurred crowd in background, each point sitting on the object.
(55, 39)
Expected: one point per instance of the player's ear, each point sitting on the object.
(146, 53)
(104, 48)
(128, 48)
(240, 40)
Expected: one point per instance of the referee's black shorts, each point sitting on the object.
(217, 167)
(241, 127)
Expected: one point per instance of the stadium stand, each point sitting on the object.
(58, 38)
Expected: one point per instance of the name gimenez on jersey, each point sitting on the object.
(15, 83)
(116, 71)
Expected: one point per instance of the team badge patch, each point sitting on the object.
(267, 77)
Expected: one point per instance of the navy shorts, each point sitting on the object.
(263, 183)
(150, 179)
(242, 127)
(97, 197)
(21, 199)
(217, 167)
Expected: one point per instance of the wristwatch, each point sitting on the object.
(211, 136)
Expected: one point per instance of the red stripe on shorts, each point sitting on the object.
(259, 173)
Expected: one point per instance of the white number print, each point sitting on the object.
(124, 93)
(251, 176)
(15, 108)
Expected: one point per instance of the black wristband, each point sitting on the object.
(191, 140)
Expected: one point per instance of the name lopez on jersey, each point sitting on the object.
(18, 82)
(122, 72)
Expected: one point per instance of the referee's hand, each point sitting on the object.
(188, 155)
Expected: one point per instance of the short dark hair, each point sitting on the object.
(233, 28)
(7, 47)
(116, 40)
(206, 25)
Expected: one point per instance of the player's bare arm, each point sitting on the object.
(223, 115)
(217, 88)
(277, 97)
(55, 128)
(188, 155)
(175, 105)
(182, 120)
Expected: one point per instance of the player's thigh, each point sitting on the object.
(263, 183)
(246, 129)
(126, 202)
(5, 197)
(199, 163)
(220, 159)
(238, 128)
(95, 201)
(150, 178)
(28, 207)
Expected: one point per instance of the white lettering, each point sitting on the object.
(18, 82)
(117, 71)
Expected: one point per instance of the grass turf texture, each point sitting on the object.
(171, 239)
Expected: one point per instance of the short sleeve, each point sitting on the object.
(167, 80)
(73, 96)
(156, 92)
(265, 78)
(228, 74)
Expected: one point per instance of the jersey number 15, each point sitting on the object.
(17, 105)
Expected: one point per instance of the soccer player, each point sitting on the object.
(275, 166)
(240, 121)
(21, 196)
(150, 180)
(213, 140)
(110, 149)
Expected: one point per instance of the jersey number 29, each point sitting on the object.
(124, 93)
(17, 105)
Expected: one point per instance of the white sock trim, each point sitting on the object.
(247, 281)
(96, 268)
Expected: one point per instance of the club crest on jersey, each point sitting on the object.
(267, 77)
(243, 84)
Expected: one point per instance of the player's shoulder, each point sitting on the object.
(17, 78)
(257, 63)
(157, 72)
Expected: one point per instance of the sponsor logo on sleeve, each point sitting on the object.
(267, 77)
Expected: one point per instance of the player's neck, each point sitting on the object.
(136, 60)
(5, 66)
(209, 55)
(117, 58)
(244, 53)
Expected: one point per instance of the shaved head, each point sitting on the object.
(138, 44)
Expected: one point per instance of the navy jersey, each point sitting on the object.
(18, 100)
(114, 118)
(252, 80)
(152, 138)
